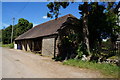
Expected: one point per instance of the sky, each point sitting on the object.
(34, 12)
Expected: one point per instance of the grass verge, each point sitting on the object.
(8, 45)
(105, 69)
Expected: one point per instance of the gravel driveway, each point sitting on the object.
(21, 64)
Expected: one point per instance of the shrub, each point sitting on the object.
(58, 58)
(82, 50)
(8, 45)
(11, 45)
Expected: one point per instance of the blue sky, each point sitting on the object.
(34, 12)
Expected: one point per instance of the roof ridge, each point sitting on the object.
(52, 24)
(54, 19)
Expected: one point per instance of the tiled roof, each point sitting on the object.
(44, 29)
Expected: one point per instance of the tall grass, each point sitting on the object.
(104, 68)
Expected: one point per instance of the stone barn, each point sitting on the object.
(44, 37)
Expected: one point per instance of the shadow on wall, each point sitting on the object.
(30, 45)
(70, 35)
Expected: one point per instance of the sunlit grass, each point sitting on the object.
(104, 68)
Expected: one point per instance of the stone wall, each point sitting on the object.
(48, 45)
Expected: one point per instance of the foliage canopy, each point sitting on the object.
(18, 29)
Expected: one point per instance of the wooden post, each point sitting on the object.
(55, 47)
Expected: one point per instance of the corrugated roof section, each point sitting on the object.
(44, 29)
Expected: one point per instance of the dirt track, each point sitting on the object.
(20, 64)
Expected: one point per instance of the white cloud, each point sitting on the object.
(44, 17)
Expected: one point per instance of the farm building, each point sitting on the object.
(44, 37)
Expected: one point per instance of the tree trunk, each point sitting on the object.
(85, 27)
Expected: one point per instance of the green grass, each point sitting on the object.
(105, 69)
(113, 57)
(8, 45)
(0, 44)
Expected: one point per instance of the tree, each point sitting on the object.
(22, 26)
(98, 20)
(6, 34)
(54, 8)
(84, 12)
